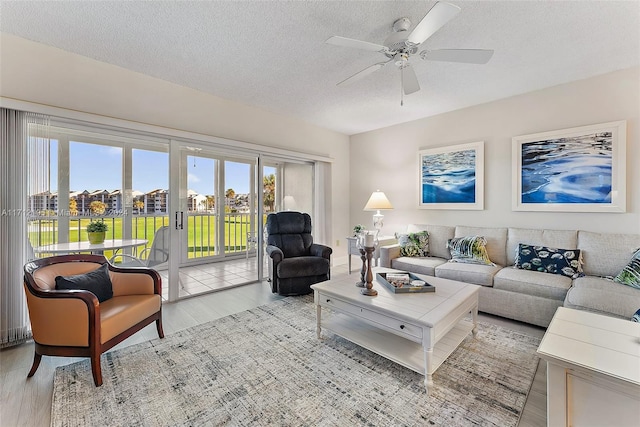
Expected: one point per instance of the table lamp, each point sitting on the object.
(289, 203)
(377, 202)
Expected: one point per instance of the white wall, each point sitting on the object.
(42, 74)
(386, 159)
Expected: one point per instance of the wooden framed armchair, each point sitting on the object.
(73, 322)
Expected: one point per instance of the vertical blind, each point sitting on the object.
(322, 205)
(15, 129)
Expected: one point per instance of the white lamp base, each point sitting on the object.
(378, 220)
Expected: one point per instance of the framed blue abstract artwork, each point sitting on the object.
(452, 177)
(571, 170)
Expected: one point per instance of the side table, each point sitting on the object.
(593, 369)
(353, 249)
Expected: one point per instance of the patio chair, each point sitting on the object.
(153, 256)
(252, 242)
(82, 306)
(295, 261)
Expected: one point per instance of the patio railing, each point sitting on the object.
(201, 228)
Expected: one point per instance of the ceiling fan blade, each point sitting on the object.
(439, 15)
(355, 44)
(409, 80)
(360, 74)
(470, 56)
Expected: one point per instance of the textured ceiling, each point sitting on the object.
(271, 54)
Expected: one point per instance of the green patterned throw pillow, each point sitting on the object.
(469, 250)
(414, 244)
(630, 275)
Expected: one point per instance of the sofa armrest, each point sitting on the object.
(388, 253)
(317, 249)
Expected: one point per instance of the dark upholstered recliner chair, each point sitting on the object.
(295, 261)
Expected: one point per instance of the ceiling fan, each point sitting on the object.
(402, 44)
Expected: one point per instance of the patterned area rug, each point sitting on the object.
(265, 367)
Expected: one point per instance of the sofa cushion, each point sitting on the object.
(630, 274)
(551, 238)
(469, 250)
(418, 265)
(565, 262)
(496, 240)
(468, 273)
(603, 296)
(97, 282)
(606, 254)
(414, 244)
(439, 235)
(532, 283)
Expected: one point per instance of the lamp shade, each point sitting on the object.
(377, 201)
(289, 203)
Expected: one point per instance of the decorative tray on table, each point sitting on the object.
(403, 282)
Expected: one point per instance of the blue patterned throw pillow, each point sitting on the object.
(630, 275)
(414, 244)
(566, 262)
(469, 250)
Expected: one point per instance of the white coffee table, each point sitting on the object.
(593, 370)
(417, 330)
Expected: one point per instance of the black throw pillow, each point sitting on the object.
(97, 282)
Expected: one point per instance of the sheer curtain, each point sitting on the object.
(322, 206)
(15, 127)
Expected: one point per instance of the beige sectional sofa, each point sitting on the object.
(530, 296)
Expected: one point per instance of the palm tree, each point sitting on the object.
(138, 204)
(211, 202)
(97, 207)
(269, 192)
(230, 194)
(73, 207)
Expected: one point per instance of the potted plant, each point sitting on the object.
(96, 231)
(357, 229)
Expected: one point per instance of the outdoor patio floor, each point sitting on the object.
(215, 276)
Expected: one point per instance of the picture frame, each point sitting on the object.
(451, 177)
(581, 169)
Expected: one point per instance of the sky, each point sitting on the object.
(99, 167)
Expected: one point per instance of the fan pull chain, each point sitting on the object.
(401, 87)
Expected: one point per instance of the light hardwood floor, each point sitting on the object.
(27, 402)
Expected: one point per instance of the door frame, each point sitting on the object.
(178, 206)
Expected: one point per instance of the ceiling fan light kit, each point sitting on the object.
(402, 44)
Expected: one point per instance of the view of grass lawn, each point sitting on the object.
(200, 227)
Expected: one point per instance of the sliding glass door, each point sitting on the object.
(214, 220)
(198, 210)
(197, 214)
(95, 176)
